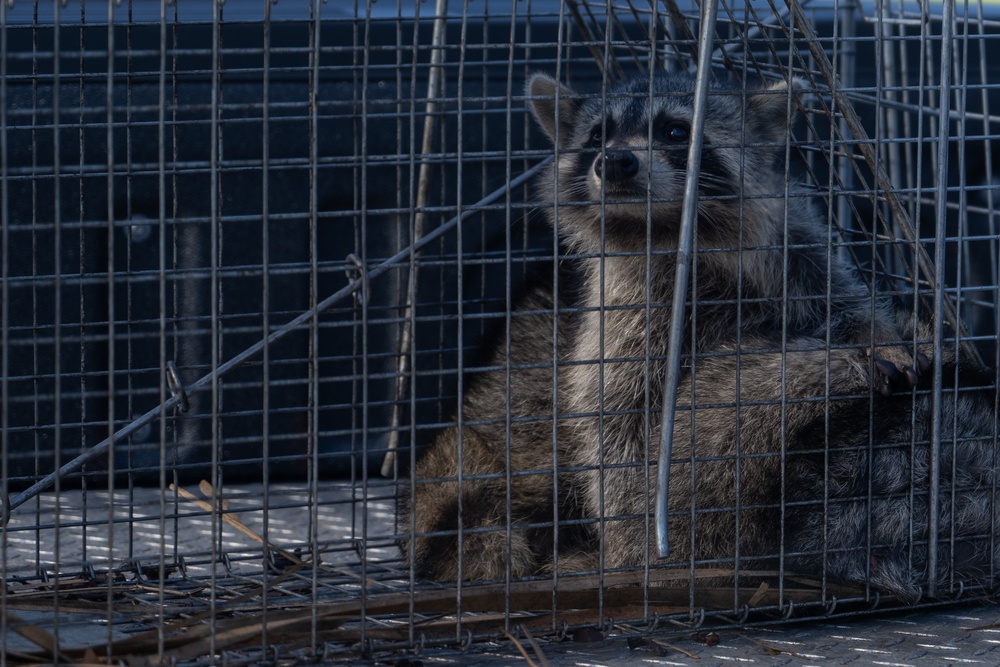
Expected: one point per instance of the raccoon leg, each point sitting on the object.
(438, 507)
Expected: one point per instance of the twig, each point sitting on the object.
(627, 629)
(434, 91)
(520, 648)
(759, 595)
(34, 634)
(534, 644)
(658, 642)
(773, 650)
(220, 506)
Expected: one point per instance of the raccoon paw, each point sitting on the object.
(894, 368)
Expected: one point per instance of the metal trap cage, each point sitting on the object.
(257, 257)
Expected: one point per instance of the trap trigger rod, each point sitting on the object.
(710, 9)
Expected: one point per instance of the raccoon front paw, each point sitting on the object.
(895, 368)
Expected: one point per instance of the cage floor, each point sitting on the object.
(200, 575)
(966, 636)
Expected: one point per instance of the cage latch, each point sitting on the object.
(177, 388)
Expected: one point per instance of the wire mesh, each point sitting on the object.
(258, 257)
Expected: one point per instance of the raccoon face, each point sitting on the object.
(627, 165)
(621, 158)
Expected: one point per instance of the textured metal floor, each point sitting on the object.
(935, 638)
(57, 534)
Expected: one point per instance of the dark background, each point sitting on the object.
(100, 246)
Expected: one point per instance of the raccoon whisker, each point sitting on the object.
(705, 215)
(712, 179)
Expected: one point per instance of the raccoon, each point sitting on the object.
(513, 508)
(790, 359)
(782, 373)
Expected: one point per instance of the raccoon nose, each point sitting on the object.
(618, 166)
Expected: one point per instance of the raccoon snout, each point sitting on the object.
(617, 166)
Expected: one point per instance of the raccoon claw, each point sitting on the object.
(888, 378)
(902, 373)
(923, 363)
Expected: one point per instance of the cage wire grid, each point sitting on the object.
(252, 251)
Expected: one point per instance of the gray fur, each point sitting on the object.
(782, 380)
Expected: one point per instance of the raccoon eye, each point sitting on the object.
(673, 132)
(596, 138)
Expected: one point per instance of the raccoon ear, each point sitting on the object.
(550, 113)
(768, 116)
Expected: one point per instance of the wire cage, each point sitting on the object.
(287, 331)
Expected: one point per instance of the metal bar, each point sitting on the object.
(313, 401)
(560, 67)
(686, 241)
(602, 514)
(215, 296)
(255, 349)
(265, 314)
(508, 606)
(112, 361)
(57, 253)
(940, 222)
(161, 266)
(647, 432)
(4, 315)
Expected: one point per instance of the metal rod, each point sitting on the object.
(940, 223)
(4, 280)
(255, 349)
(677, 315)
